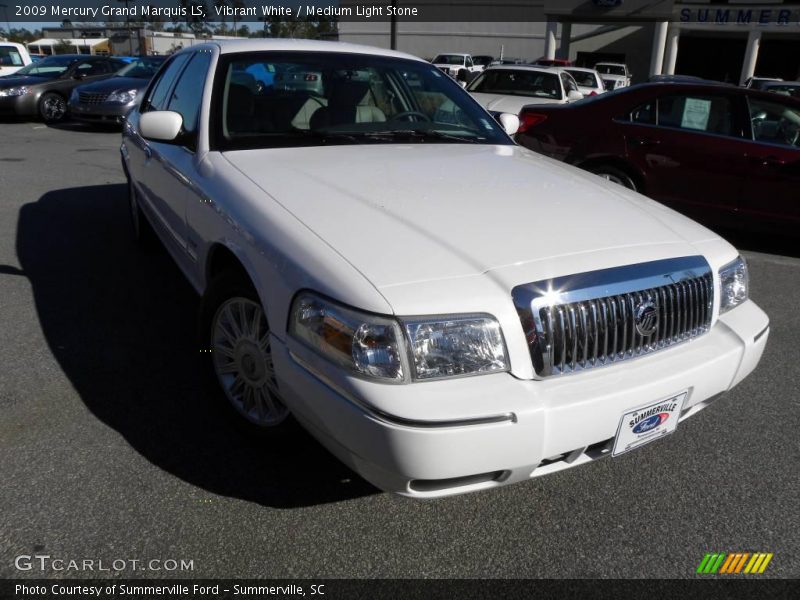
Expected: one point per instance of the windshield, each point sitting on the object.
(53, 66)
(538, 84)
(449, 59)
(142, 68)
(584, 78)
(280, 99)
(10, 56)
(610, 69)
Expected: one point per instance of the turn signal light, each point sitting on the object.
(528, 120)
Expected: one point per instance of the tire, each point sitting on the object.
(142, 231)
(615, 175)
(235, 340)
(52, 107)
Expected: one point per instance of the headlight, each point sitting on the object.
(15, 91)
(457, 345)
(360, 342)
(122, 96)
(733, 284)
(374, 346)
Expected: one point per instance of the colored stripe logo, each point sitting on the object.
(734, 563)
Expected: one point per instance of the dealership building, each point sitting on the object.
(725, 41)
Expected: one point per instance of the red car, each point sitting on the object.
(725, 155)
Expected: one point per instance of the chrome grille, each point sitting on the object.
(91, 98)
(600, 318)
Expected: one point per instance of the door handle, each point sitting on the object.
(768, 161)
(643, 142)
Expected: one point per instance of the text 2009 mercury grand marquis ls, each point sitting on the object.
(438, 335)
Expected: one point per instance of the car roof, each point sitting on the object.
(581, 69)
(701, 87)
(611, 64)
(297, 45)
(782, 84)
(523, 67)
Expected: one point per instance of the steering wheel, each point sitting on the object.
(789, 132)
(410, 113)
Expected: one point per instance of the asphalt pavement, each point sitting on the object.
(110, 449)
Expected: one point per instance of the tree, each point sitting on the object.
(63, 47)
(23, 36)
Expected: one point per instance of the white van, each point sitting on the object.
(13, 57)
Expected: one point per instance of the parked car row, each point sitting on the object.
(99, 88)
(439, 335)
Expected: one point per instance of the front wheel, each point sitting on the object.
(615, 175)
(238, 337)
(52, 107)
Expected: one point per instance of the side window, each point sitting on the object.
(470, 64)
(645, 114)
(774, 123)
(712, 114)
(93, 68)
(188, 94)
(157, 98)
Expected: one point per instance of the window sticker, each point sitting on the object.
(695, 114)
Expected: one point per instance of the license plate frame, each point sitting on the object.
(648, 423)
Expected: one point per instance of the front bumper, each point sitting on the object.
(22, 106)
(106, 112)
(527, 428)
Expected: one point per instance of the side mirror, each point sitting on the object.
(509, 122)
(160, 125)
(79, 76)
(574, 95)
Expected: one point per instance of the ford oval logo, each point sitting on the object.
(650, 423)
(646, 318)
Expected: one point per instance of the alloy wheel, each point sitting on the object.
(243, 362)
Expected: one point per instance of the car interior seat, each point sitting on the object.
(347, 103)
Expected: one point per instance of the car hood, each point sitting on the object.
(612, 77)
(405, 214)
(115, 83)
(15, 81)
(508, 104)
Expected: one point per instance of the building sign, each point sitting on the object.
(740, 15)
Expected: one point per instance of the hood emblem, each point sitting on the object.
(646, 318)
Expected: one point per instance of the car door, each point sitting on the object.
(772, 186)
(179, 184)
(146, 169)
(691, 150)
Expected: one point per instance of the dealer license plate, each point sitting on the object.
(648, 423)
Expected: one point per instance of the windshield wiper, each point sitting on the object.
(422, 134)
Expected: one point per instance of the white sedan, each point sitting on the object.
(438, 335)
(508, 88)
